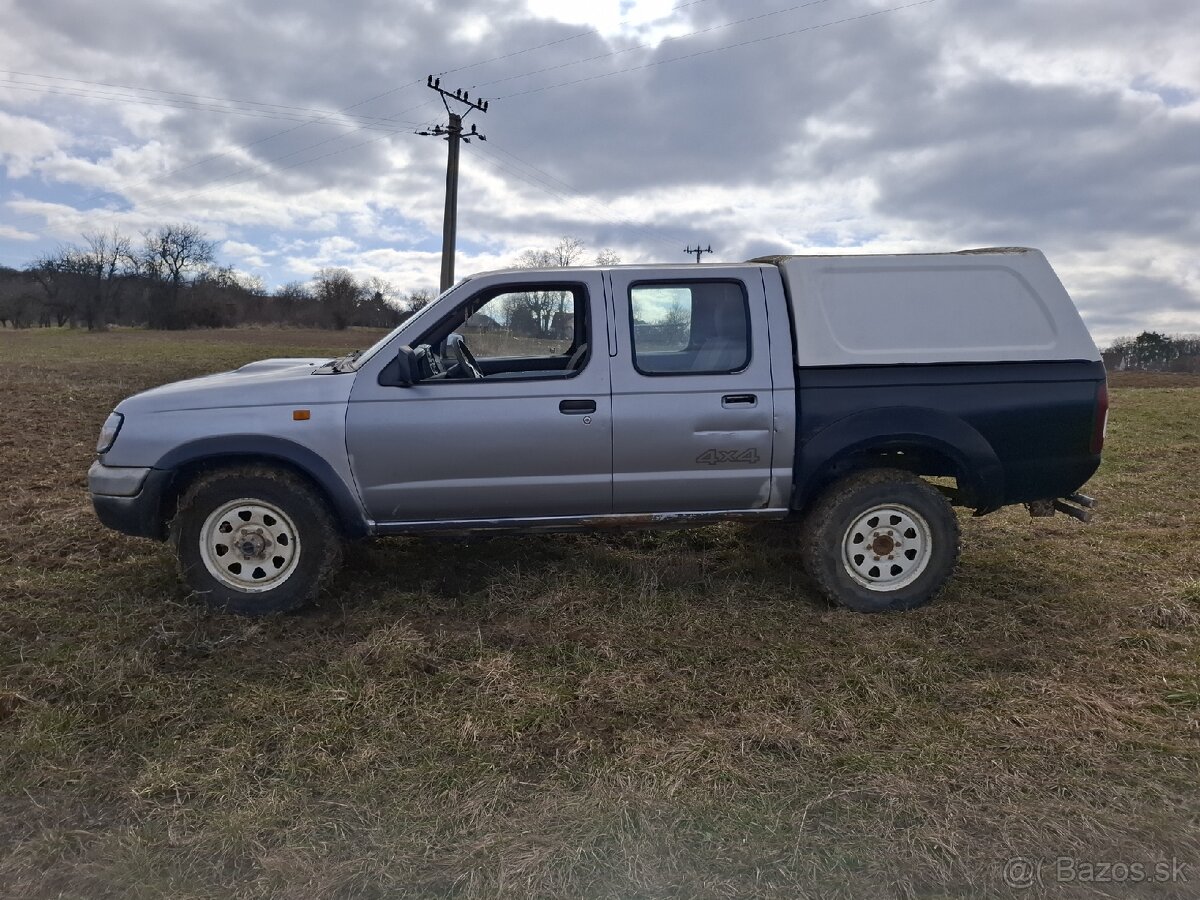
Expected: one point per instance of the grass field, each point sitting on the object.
(632, 715)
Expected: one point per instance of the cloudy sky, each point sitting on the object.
(286, 130)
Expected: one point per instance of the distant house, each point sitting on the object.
(480, 323)
(562, 325)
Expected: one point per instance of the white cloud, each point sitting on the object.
(246, 254)
(24, 141)
(610, 17)
(16, 234)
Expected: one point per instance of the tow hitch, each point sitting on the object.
(1077, 506)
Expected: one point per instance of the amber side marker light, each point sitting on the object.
(301, 415)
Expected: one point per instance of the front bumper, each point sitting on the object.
(130, 500)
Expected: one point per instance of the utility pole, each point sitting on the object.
(698, 250)
(453, 132)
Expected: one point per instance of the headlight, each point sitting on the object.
(108, 434)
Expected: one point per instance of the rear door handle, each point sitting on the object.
(739, 400)
(577, 407)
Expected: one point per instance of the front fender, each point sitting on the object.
(895, 428)
(341, 496)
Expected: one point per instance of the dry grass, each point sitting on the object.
(635, 715)
(1131, 379)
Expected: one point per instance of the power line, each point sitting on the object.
(646, 46)
(555, 42)
(208, 187)
(599, 208)
(214, 183)
(746, 43)
(615, 219)
(266, 163)
(184, 97)
(497, 162)
(191, 105)
(392, 119)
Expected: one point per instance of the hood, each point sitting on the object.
(279, 362)
(262, 383)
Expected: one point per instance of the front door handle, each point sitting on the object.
(739, 400)
(577, 407)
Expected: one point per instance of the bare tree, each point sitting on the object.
(608, 257)
(535, 311)
(378, 306)
(84, 283)
(58, 286)
(19, 303)
(416, 301)
(339, 295)
(171, 255)
(566, 252)
(106, 264)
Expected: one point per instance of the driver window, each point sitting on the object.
(522, 324)
(525, 331)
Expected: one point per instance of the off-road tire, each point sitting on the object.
(317, 544)
(840, 513)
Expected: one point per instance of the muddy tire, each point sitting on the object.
(880, 541)
(254, 540)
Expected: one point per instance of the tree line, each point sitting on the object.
(1152, 351)
(170, 279)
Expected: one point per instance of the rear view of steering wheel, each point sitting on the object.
(463, 355)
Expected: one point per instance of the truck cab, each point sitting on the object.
(604, 394)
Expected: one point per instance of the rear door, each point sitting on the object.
(692, 399)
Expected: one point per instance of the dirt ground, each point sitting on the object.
(671, 714)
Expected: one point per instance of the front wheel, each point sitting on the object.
(254, 540)
(881, 540)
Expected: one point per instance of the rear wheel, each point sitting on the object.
(881, 540)
(254, 540)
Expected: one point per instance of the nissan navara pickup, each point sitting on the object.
(857, 396)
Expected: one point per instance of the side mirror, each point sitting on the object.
(408, 371)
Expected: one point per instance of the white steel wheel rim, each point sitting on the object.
(887, 547)
(249, 545)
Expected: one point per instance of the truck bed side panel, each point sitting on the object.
(1037, 418)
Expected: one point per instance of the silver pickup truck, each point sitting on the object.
(859, 396)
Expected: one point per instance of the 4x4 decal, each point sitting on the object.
(721, 457)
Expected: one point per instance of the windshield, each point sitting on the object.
(361, 359)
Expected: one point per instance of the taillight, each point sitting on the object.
(1100, 425)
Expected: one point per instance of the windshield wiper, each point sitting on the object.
(337, 364)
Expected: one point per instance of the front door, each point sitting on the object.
(692, 392)
(516, 425)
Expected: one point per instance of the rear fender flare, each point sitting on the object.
(979, 469)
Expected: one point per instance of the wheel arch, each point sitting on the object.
(918, 440)
(195, 458)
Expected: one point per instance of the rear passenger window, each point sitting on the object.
(690, 328)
